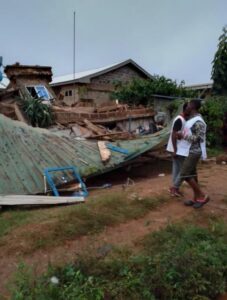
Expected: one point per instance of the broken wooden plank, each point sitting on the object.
(70, 187)
(19, 114)
(119, 135)
(79, 110)
(93, 127)
(106, 108)
(37, 200)
(104, 151)
(80, 131)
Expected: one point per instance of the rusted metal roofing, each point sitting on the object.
(26, 151)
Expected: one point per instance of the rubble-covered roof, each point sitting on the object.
(25, 152)
(87, 75)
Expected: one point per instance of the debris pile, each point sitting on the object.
(94, 120)
(109, 122)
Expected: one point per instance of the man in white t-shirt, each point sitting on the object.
(173, 147)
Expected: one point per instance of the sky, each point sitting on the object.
(174, 38)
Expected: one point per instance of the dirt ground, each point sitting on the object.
(152, 178)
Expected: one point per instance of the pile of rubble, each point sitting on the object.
(108, 122)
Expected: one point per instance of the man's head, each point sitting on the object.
(194, 106)
(186, 112)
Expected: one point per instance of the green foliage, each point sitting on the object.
(187, 263)
(219, 70)
(177, 263)
(213, 111)
(174, 106)
(141, 91)
(215, 151)
(38, 113)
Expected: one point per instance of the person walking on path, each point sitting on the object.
(173, 146)
(193, 145)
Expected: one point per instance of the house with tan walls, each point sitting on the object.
(94, 87)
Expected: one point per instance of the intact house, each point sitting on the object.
(94, 87)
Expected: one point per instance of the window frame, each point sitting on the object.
(48, 94)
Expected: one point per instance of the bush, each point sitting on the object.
(141, 91)
(186, 263)
(214, 110)
(174, 107)
(38, 113)
(178, 263)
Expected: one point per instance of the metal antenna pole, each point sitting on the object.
(74, 56)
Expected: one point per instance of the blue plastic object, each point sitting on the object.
(48, 171)
(117, 149)
(1, 76)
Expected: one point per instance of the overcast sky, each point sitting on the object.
(175, 38)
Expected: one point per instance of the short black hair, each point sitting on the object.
(185, 106)
(196, 104)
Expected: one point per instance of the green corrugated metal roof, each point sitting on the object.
(25, 152)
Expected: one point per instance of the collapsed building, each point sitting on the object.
(24, 81)
(36, 81)
(26, 151)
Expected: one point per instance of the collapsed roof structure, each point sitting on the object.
(27, 151)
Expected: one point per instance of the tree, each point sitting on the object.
(141, 91)
(219, 69)
(214, 111)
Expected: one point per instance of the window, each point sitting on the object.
(39, 91)
(68, 93)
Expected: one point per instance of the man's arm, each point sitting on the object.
(198, 133)
(174, 141)
(176, 127)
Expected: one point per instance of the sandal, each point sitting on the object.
(200, 202)
(189, 202)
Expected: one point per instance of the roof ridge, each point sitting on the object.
(98, 71)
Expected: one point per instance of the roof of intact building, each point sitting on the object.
(86, 76)
(200, 86)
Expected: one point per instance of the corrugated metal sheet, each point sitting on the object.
(26, 151)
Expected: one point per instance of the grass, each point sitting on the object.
(12, 219)
(92, 218)
(51, 228)
(179, 262)
(214, 151)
